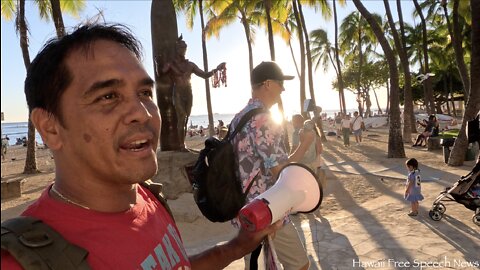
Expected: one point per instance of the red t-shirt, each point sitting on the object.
(143, 237)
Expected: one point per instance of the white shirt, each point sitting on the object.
(345, 123)
(356, 125)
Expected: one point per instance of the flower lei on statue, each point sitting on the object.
(219, 77)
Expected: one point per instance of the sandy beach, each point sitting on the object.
(356, 176)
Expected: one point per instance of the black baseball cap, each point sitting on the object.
(268, 71)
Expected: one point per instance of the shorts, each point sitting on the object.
(290, 250)
(357, 132)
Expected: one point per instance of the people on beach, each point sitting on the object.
(338, 123)
(260, 150)
(413, 186)
(180, 70)
(102, 126)
(5, 143)
(431, 129)
(346, 124)
(357, 124)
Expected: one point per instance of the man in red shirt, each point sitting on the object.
(90, 99)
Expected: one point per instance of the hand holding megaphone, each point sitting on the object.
(296, 190)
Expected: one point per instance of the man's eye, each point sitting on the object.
(147, 93)
(107, 97)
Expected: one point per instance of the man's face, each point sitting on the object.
(111, 124)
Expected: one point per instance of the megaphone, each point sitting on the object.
(296, 190)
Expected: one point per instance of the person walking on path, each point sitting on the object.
(357, 124)
(346, 130)
(260, 150)
(102, 125)
(413, 186)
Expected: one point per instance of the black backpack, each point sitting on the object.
(35, 245)
(216, 188)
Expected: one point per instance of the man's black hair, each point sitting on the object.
(48, 75)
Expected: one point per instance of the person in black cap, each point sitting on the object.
(260, 149)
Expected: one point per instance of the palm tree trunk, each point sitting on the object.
(246, 27)
(302, 54)
(211, 129)
(30, 161)
(163, 46)
(360, 64)
(268, 5)
(57, 17)
(395, 142)
(457, 155)
(457, 46)
(310, 71)
(343, 106)
(408, 108)
(429, 100)
(378, 103)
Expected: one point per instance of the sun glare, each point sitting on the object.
(276, 114)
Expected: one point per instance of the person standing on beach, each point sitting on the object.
(346, 129)
(260, 150)
(413, 186)
(357, 124)
(338, 123)
(102, 127)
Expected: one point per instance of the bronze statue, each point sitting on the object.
(180, 70)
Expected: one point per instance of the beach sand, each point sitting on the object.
(198, 233)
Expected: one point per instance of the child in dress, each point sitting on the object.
(413, 189)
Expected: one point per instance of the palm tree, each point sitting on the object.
(326, 10)
(395, 143)
(322, 50)
(337, 58)
(473, 104)
(302, 52)
(408, 116)
(455, 33)
(163, 46)
(9, 8)
(429, 102)
(355, 28)
(408, 107)
(225, 12)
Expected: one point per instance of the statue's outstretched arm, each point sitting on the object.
(203, 74)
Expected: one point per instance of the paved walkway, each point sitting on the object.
(378, 234)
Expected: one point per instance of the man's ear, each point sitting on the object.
(48, 127)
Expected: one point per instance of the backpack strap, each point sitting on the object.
(245, 118)
(35, 245)
(157, 190)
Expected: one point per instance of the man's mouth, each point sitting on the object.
(137, 145)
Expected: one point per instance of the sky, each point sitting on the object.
(231, 47)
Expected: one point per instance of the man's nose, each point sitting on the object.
(137, 111)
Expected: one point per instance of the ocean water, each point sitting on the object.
(19, 130)
(16, 130)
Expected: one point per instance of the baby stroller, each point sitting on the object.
(465, 191)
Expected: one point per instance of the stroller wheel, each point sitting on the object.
(440, 207)
(476, 219)
(435, 215)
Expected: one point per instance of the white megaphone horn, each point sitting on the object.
(296, 190)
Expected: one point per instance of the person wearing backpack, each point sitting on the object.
(91, 100)
(261, 154)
